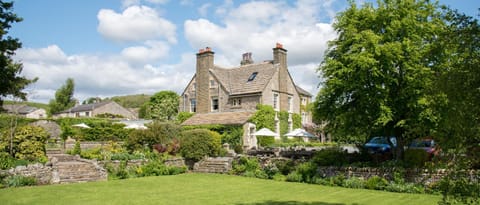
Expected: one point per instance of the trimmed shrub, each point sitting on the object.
(279, 177)
(198, 143)
(307, 171)
(294, 177)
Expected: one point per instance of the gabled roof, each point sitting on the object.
(219, 118)
(87, 107)
(302, 91)
(235, 80)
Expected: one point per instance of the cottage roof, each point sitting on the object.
(87, 107)
(221, 118)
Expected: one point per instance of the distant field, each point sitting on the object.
(203, 189)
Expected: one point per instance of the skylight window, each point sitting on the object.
(252, 77)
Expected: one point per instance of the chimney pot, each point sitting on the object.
(279, 45)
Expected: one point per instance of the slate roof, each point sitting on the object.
(87, 107)
(219, 118)
(235, 80)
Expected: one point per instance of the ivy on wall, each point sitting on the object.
(265, 118)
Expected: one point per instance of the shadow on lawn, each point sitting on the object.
(294, 203)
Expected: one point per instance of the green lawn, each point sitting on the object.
(203, 189)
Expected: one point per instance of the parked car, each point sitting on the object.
(426, 144)
(381, 145)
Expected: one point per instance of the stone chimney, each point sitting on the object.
(280, 58)
(246, 59)
(202, 94)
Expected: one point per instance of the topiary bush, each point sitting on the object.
(198, 143)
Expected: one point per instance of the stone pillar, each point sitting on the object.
(204, 64)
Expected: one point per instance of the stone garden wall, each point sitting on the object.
(41, 172)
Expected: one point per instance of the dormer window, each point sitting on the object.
(252, 77)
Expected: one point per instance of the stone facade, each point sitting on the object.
(215, 89)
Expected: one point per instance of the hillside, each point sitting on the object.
(130, 101)
(32, 104)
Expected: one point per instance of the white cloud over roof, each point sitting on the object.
(136, 23)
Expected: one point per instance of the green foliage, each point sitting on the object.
(245, 164)
(265, 141)
(231, 134)
(164, 105)
(158, 168)
(63, 98)
(378, 72)
(354, 183)
(264, 117)
(6, 161)
(198, 143)
(19, 180)
(330, 157)
(31, 104)
(130, 101)
(416, 157)
(182, 116)
(376, 182)
(294, 177)
(157, 133)
(307, 171)
(285, 166)
(10, 80)
(28, 143)
(77, 149)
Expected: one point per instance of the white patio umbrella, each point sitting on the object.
(81, 125)
(300, 133)
(135, 126)
(265, 132)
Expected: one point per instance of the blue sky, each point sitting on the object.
(120, 47)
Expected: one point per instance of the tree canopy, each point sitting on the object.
(10, 81)
(163, 105)
(63, 97)
(377, 73)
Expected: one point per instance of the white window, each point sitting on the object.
(290, 104)
(215, 104)
(193, 105)
(212, 83)
(275, 101)
(194, 87)
(304, 101)
(237, 102)
(304, 117)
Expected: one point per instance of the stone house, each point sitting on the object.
(26, 111)
(94, 109)
(231, 94)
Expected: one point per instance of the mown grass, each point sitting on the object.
(204, 189)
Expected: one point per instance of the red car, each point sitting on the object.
(427, 144)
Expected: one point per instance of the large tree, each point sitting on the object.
(164, 105)
(377, 73)
(10, 81)
(63, 97)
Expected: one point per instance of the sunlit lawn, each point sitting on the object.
(203, 189)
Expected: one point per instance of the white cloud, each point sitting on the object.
(101, 76)
(256, 26)
(157, 1)
(153, 50)
(136, 23)
(127, 3)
